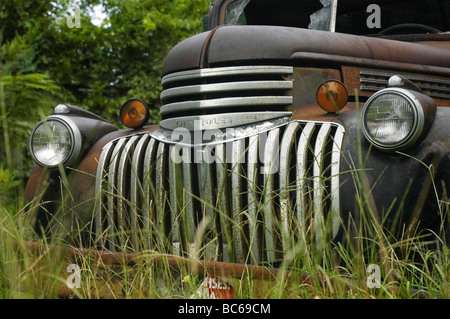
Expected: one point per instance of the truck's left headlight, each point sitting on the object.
(56, 141)
(396, 118)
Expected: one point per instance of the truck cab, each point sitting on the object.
(283, 123)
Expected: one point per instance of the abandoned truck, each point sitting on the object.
(283, 122)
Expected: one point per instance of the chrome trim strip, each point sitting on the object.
(225, 71)
(221, 120)
(225, 102)
(233, 134)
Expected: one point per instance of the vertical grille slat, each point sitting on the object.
(286, 207)
(271, 160)
(161, 200)
(176, 197)
(137, 189)
(189, 221)
(149, 191)
(237, 190)
(318, 181)
(222, 203)
(335, 184)
(303, 189)
(205, 185)
(113, 206)
(255, 238)
(123, 188)
(100, 189)
(246, 199)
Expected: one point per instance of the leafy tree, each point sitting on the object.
(103, 66)
(44, 62)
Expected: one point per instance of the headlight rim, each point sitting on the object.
(76, 138)
(417, 129)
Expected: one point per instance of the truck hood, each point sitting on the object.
(228, 45)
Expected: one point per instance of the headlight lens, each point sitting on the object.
(389, 119)
(55, 141)
(394, 119)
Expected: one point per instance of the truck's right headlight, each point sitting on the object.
(396, 118)
(55, 141)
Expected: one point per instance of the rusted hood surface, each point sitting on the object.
(259, 43)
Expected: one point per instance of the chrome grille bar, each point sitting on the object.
(230, 102)
(225, 87)
(225, 71)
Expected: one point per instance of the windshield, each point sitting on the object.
(362, 17)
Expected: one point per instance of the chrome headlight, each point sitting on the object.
(396, 118)
(55, 141)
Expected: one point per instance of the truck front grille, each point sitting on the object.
(247, 199)
(226, 89)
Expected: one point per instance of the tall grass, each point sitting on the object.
(338, 270)
(334, 270)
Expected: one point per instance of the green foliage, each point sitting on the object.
(8, 184)
(25, 97)
(103, 66)
(44, 62)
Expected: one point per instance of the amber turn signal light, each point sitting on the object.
(332, 96)
(134, 113)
